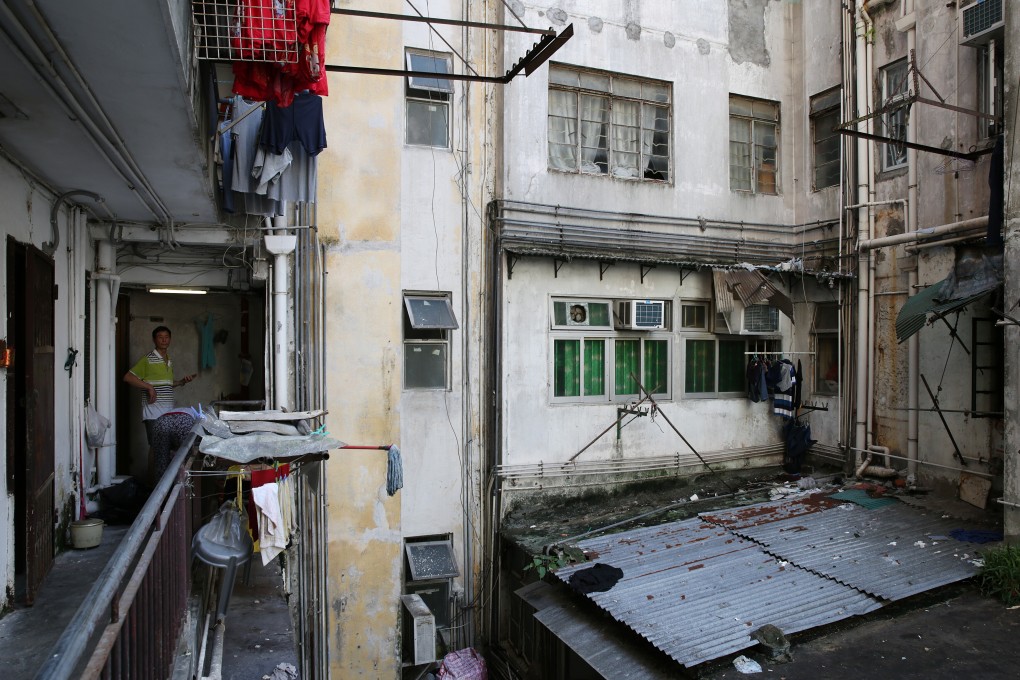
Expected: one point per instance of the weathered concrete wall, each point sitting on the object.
(948, 191)
(396, 218)
(686, 43)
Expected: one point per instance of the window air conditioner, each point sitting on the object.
(981, 22)
(422, 629)
(753, 320)
(641, 315)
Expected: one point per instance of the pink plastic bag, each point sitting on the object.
(464, 664)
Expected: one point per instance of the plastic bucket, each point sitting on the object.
(86, 533)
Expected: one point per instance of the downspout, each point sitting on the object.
(106, 300)
(913, 347)
(281, 245)
(864, 182)
(467, 474)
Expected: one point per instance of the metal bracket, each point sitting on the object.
(603, 267)
(557, 263)
(645, 268)
(684, 273)
(511, 260)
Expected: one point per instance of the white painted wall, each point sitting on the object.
(26, 218)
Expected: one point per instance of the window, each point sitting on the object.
(989, 82)
(593, 362)
(826, 334)
(427, 322)
(754, 145)
(717, 365)
(428, 101)
(694, 316)
(986, 362)
(824, 138)
(608, 124)
(751, 320)
(894, 121)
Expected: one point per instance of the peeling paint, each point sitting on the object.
(633, 31)
(668, 39)
(704, 47)
(557, 16)
(595, 24)
(747, 32)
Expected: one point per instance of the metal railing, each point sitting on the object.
(132, 618)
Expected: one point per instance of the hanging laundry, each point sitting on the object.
(394, 471)
(265, 30)
(782, 376)
(797, 439)
(273, 535)
(756, 389)
(302, 120)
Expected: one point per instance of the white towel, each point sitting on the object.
(273, 533)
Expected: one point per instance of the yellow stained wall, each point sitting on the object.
(359, 221)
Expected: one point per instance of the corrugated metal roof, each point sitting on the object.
(698, 588)
(599, 643)
(696, 591)
(892, 552)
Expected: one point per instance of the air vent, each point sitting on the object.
(981, 22)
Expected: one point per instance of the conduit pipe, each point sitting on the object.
(926, 232)
(58, 89)
(281, 246)
(51, 247)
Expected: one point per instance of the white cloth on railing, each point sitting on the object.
(273, 533)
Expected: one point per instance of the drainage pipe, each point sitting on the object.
(51, 247)
(281, 246)
(864, 29)
(106, 300)
(926, 232)
(913, 346)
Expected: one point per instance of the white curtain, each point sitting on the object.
(626, 138)
(562, 130)
(594, 117)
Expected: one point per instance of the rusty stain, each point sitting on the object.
(696, 566)
(650, 597)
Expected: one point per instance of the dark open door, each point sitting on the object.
(30, 303)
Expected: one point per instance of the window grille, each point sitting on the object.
(245, 30)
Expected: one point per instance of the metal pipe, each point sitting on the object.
(913, 343)
(941, 243)
(930, 464)
(106, 397)
(51, 247)
(926, 232)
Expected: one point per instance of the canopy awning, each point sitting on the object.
(932, 301)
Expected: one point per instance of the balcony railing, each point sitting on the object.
(131, 620)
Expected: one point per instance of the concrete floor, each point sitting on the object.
(28, 633)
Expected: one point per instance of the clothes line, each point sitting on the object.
(776, 353)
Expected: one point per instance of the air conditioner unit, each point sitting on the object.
(981, 22)
(421, 628)
(641, 315)
(753, 320)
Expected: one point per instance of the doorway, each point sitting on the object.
(30, 386)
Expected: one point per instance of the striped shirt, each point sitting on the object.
(159, 373)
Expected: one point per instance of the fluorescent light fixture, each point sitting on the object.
(177, 290)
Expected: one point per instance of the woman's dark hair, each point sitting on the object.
(160, 329)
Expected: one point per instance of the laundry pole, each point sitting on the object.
(106, 397)
(281, 246)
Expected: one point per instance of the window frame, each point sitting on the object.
(895, 122)
(822, 106)
(822, 331)
(418, 337)
(766, 345)
(587, 302)
(986, 326)
(753, 123)
(989, 95)
(610, 125)
(418, 91)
